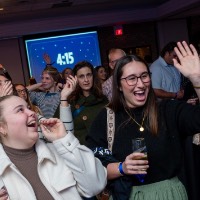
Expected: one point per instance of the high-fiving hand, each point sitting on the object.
(189, 63)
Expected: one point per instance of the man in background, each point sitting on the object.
(114, 55)
(166, 79)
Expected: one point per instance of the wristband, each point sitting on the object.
(120, 168)
(63, 100)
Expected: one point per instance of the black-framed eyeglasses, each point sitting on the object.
(132, 80)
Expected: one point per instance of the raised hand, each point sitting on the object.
(69, 87)
(6, 88)
(189, 63)
(47, 58)
(52, 129)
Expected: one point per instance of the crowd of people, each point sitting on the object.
(57, 140)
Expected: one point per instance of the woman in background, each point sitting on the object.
(66, 73)
(86, 100)
(22, 92)
(101, 73)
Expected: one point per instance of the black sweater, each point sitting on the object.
(176, 121)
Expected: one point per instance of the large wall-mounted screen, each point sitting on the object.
(64, 50)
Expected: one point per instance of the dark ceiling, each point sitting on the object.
(20, 17)
(17, 10)
(29, 9)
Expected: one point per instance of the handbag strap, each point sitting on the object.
(110, 127)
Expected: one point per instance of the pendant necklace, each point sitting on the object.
(141, 129)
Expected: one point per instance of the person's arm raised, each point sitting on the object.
(188, 64)
(34, 87)
(67, 90)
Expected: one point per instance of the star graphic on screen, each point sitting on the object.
(64, 51)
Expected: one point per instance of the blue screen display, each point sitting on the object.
(64, 50)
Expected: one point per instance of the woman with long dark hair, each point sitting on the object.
(162, 126)
(86, 100)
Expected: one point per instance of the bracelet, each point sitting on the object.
(120, 168)
(63, 100)
(196, 87)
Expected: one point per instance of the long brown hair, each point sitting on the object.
(118, 102)
(96, 88)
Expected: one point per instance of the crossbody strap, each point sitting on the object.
(110, 127)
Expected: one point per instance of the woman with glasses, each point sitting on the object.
(22, 92)
(163, 125)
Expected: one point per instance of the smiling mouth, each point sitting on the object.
(31, 124)
(140, 93)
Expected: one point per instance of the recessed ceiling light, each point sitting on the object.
(1, 8)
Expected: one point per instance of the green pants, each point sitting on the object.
(171, 189)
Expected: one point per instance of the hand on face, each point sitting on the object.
(69, 87)
(53, 129)
(6, 89)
